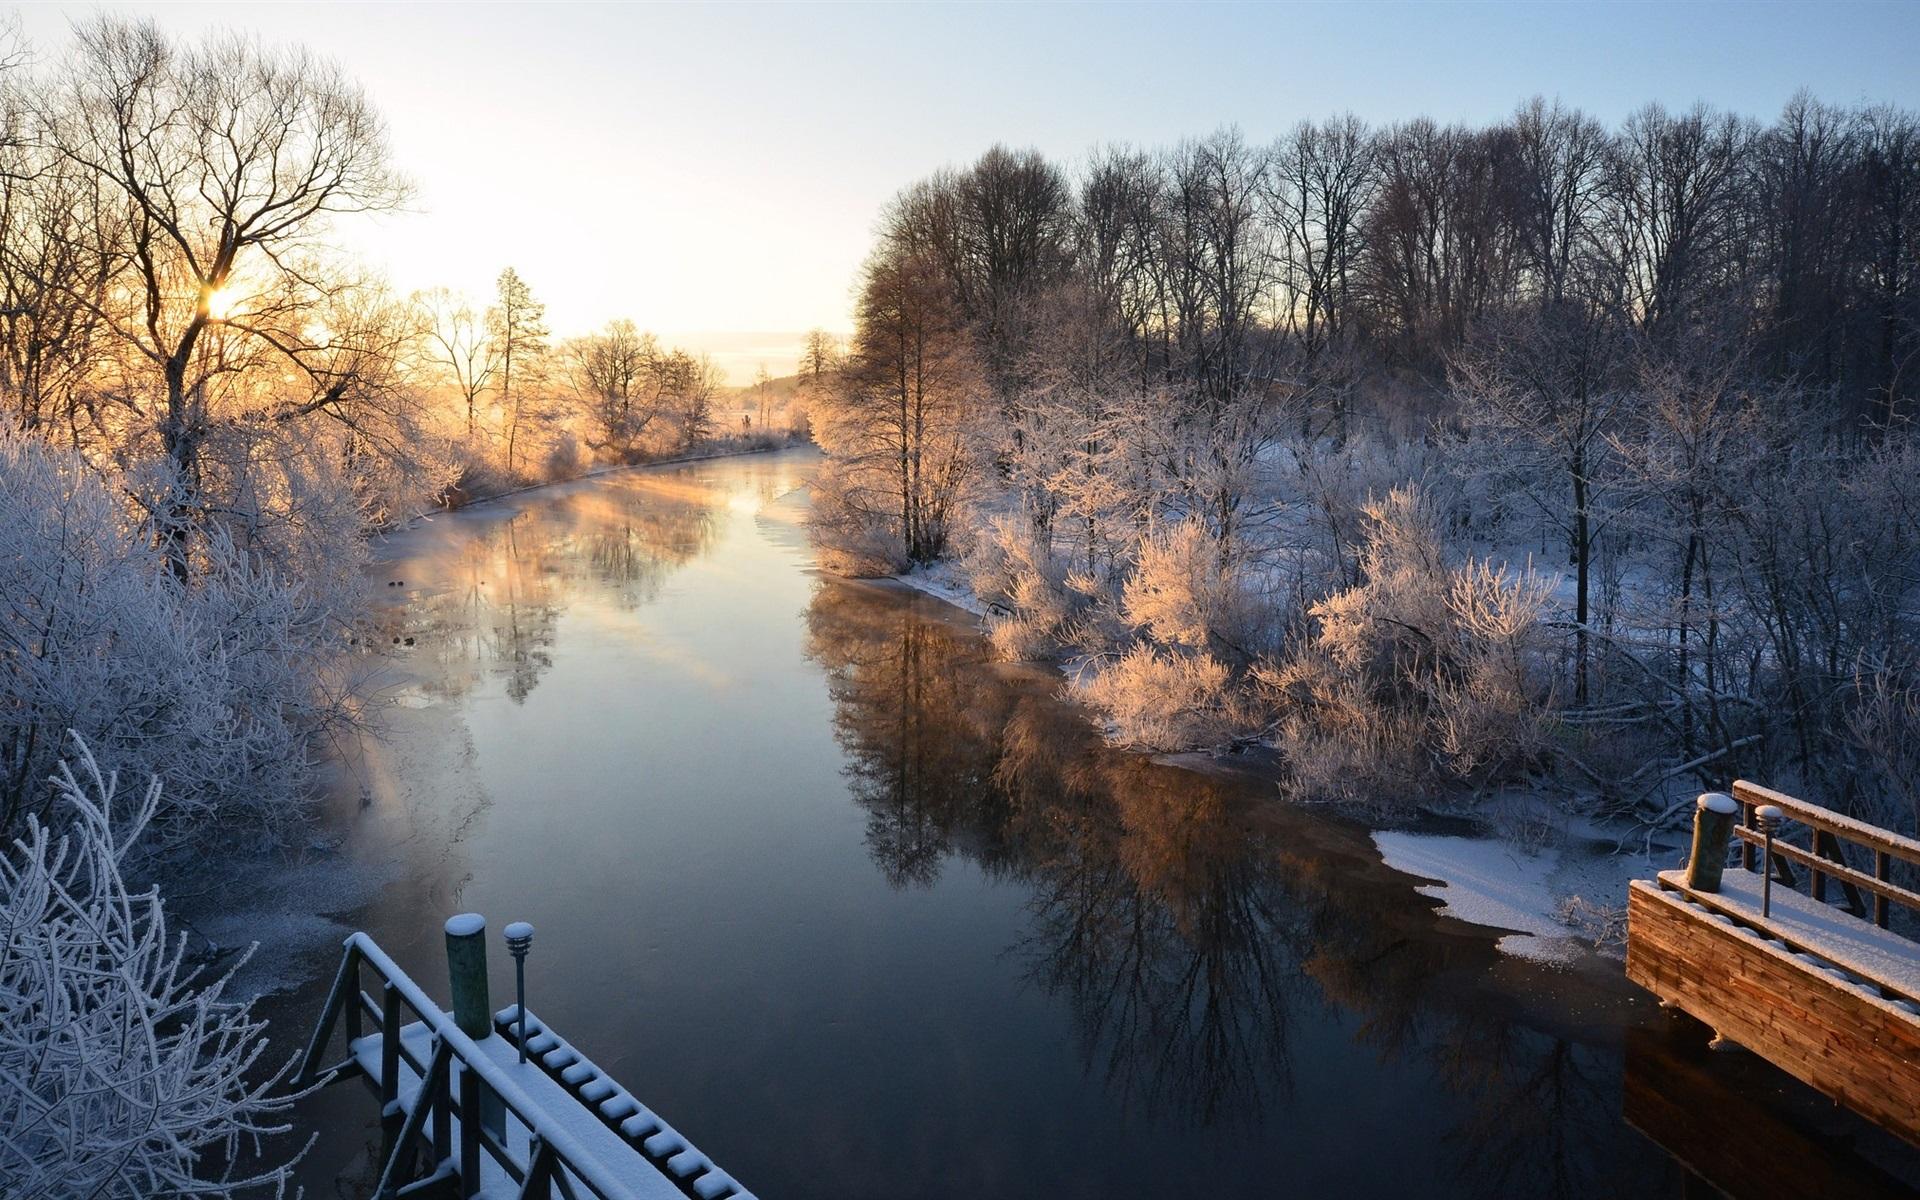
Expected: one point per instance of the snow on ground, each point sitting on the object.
(1501, 884)
(945, 580)
(278, 908)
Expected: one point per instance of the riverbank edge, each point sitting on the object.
(1534, 892)
(427, 514)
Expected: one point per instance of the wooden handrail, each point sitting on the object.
(1839, 870)
(1825, 857)
(1905, 849)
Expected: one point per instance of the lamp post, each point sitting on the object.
(1769, 818)
(520, 940)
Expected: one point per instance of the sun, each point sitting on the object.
(222, 303)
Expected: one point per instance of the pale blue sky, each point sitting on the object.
(718, 168)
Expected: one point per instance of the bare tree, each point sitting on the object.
(226, 162)
(616, 375)
(458, 343)
(517, 326)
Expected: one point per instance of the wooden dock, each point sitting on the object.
(1816, 982)
(465, 1114)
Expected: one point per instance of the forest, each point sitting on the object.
(1438, 459)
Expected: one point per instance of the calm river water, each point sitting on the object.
(864, 913)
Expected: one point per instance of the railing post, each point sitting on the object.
(389, 1057)
(1770, 819)
(470, 1088)
(1883, 871)
(1713, 815)
(440, 1089)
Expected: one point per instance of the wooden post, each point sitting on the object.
(472, 1008)
(470, 1091)
(467, 973)
(1713, 816)
(1882, 870)
(390, 1116)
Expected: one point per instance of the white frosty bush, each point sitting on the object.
(1182, 593)
(1035, 608)
(1162, 701)
(123, 1073)
(1423, 670)
(215, 682)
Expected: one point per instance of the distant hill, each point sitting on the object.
(779, 390)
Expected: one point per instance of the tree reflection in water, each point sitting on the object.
(508, 580)
(1192, 933)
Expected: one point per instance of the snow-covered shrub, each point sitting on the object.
(123, 1072)
(1033, 603)
(565, 458)
(1423, 670)
(1172, 700)
(1182, 593)
(215, 682)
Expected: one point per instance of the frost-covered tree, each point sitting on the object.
(222, 165)
(215, 684)
(124, 1072)
(903, 426)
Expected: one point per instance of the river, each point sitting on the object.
(864, 913)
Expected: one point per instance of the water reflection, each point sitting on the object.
(500, 585)
(1193, 934)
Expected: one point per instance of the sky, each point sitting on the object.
(713, 172)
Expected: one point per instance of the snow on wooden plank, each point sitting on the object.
(1742, 976)
(553, 1108)
(1841, 939)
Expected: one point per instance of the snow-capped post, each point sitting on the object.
(467, 974)
(1713, 816)
(472, 1008)
(1769, 818)
(519, 941)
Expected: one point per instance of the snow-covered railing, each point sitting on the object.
(550, 1152)
(1823, 856)
(620, 1110)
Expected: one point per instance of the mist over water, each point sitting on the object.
(864, 913)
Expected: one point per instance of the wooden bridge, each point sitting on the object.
(493, 1122)
(1825, 984)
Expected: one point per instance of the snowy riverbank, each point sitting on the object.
(1555, 901)
(1558, 889)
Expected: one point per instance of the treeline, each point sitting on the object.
(204, 407)
(1434, 455)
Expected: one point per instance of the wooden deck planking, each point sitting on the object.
(1853, 1047)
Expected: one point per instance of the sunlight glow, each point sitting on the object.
(222, 303)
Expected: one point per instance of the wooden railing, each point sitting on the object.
(556, 1161)
(1824, 856)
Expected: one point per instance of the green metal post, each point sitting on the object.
(467, 974)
